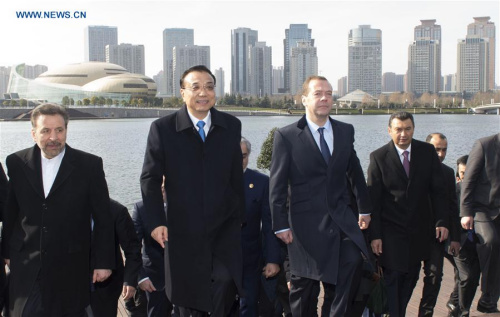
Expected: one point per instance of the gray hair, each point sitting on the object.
(247, 143)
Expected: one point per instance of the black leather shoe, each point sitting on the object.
(485, 310)
(453, 310)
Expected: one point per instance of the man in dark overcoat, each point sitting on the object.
(406, 185)
(198, 151)
(54, 191)
(316, 160)
(480, 210)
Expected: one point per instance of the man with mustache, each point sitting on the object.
(54, 192)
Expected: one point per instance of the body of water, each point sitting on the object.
(122, 142)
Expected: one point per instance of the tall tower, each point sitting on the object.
(130, 57)
(185, 57)
(242, 39)
(278, 80)
(220, 82)
(260, 69)
(303, 63)
(365, 60)
(473, 64)
(424, 58)
(175, 37)
(96, 39)
(296, 33)
(485, 29)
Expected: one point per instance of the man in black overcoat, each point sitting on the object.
(54, 191)
(315, 159)
(198, 151)
(405, 180)
(480, 210)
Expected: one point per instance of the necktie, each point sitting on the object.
(200, 125)
(406, 163)
(325, 151)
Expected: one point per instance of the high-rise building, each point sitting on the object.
(473, 64)
(365, 60)
(185, 57)
(303, 63)
(392, 82)
(241, 40)
(424, 58)
(96, 39)
(260, 69)
(174, 37)
(450, 82)
(483, 28)
(342, 86)
(296, 33)
(33, 72)
(278, 80)
(4, 79)
(130, 57)
(219, 87)
(159, 79)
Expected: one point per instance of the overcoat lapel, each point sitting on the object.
(33, 170)
(307, 139)
(65, 169)
(393, 159)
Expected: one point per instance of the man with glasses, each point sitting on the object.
(197, 150)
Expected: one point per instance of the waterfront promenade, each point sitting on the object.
(412, 311)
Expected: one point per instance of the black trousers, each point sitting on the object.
(400, 286)
(488, 251)
(223, 293)
(304, 291)
(433, 270)
(467, 273)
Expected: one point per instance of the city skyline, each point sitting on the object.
(56, 42)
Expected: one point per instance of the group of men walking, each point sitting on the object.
(205, 218)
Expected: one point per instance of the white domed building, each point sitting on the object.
(82, 80)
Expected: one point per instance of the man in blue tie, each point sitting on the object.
(314, 160)
(197, 150)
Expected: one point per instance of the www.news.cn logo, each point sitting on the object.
(51, 14)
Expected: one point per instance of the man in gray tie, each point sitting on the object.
(315, 159)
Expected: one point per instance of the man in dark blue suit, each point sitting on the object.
(152, 273)
(256, 231)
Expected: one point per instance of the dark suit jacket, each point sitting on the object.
(451, 192)
(481, 185)
(406, 210)
(319, 197)
(153, 263)
(257, 229)
(50, 237)
(206, 206)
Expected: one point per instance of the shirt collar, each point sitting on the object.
(400, 151)
(207, 119)
(314, 127)
(56, 158)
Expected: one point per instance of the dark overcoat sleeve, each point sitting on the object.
(375, 184)
(139, 231)
(3, 191)
(278, 185)
(130, 245)
(271, 243)
(451, 190)
(475, 169)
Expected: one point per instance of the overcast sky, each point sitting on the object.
(56, 42)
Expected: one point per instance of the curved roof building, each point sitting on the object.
(83, 80)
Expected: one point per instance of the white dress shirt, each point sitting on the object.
(50, 167)
(207, 120)
(327, 132)
(401, 151)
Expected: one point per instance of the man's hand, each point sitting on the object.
(270, 270)
(364, 221)
(454, 248)
(160, 234)
(147, 286)
(441, 233)
(377, 246)
(100, 275)
(286, 236)
(467, 222)
(128, 292)
(7, 261)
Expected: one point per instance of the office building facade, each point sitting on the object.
(260, 69)
(296, 33)
(303, 63)
(96, 38)
(131, 57)
(484, 28)
(185, 57)
(242, 40)
(173, 37)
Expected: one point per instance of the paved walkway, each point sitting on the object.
(412, 311)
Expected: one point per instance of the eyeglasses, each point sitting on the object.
(197, 88)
